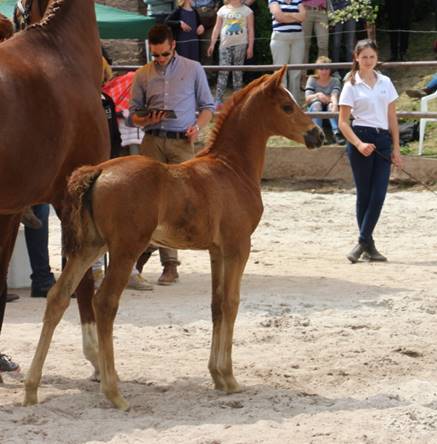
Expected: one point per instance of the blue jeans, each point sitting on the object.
(37, 242)
(319, 106)
(432, 84)
(371, 175)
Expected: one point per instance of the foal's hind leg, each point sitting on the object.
(105, 303)
(58, 300)
(225, 309)
(85, 292)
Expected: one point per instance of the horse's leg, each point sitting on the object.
(84, 294)
(234, 263)
(105, 303)
(217, 281)
(58, 300)
(8, 231)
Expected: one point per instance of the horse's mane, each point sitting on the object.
(49, 16)
(230, 104)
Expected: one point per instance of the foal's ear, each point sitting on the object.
(276, 78)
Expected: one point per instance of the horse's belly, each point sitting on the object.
(183, 238)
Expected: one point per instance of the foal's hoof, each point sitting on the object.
(30, 399)
(120, 403)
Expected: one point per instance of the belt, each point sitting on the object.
(315, 8)
(372, 128)
(167, 134)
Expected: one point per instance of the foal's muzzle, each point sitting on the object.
(314, 137)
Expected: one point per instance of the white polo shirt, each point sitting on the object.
(369, 105)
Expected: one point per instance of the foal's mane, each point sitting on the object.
(49, 15)
(230, 104)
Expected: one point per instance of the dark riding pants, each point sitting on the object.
(371, 175)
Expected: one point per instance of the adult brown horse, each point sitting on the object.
(51, 117)
(211, 202)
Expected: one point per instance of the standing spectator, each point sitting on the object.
(186, 26)
(287, 43)
(373, 141)
(400, 13)
(316, 22)
(170, 82)
(344, 34)
(37, 241)
(207, 10)
(159, 9)
(321, 94)
(235, 26)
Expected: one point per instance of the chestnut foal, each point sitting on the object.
(212, 202)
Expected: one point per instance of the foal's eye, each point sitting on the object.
(288, 108)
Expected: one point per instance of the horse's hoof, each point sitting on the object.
(95, 377)
(121, 404)
(30, 399)
(232, 387)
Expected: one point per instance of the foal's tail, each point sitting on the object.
(77, 218)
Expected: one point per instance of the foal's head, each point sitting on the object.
(27, 12)
(283, 115)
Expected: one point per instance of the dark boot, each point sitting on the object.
(356, 253)
(372, 254)
(170, 274)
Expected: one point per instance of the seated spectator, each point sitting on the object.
(321, 94)
(430, 88)
(186, 26)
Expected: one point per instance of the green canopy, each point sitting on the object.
(113, 23)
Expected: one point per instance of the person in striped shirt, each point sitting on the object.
(287, 42)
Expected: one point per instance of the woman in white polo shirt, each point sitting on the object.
(373, 141)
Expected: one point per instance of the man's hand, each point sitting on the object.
(151, 119)
(193, 133)
(200, 30)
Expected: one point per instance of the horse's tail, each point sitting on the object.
(77, 218)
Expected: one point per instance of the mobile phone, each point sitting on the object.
(169, 113)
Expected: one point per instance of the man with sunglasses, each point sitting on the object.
(177, 84)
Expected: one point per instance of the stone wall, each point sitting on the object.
(125, 52)
(127, 5)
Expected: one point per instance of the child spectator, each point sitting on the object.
(321, 94)
(185, 23)
(235, 25)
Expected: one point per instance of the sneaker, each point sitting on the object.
(7, 365)
(137, 282)
(41, 292)
(10, 297)
(339, 139)
(416, 93)
(98, 276)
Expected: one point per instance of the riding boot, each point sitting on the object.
(372, 254)
(170, 274)
(356, 252)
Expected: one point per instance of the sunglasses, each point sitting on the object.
(161, 54)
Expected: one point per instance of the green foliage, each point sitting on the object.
(356, 10)
(263, 31)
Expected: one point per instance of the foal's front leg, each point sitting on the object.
(225, 313)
